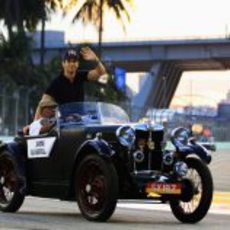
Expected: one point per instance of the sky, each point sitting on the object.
(166, 19)
(202, 88)
(156, 19)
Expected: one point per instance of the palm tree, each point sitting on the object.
(92, 11)
(11, 14)
(22, 15)
(48, 6)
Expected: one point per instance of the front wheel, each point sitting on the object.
(96, 187)
(194, 209)
(10, 197)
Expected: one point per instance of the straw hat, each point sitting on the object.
(47, 103)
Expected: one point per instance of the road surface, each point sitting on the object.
(48, 214)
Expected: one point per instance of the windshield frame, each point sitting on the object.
(91, 113)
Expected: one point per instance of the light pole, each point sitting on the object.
(16, 96)
(191, 96)
(164, 89)
(4, 105)
(28, 92)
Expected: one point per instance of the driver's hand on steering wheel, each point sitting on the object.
(73, 117)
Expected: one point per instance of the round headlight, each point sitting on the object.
(126, 135)
(180, 135)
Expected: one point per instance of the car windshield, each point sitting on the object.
(92, 113)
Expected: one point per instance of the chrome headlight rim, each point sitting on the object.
(180, 135)
(126, 136)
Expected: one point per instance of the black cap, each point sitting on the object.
(71, 54)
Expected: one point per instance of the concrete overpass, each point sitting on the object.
(165, 61)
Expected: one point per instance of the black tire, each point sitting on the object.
(10, 197)
(197, 207)
(96, 186)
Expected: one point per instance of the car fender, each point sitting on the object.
(96, 145)
(2, 146)
(198, 150)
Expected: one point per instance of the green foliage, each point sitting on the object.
(105, 92)
(14, 56)
(17, 68)
(22, 15)
(17, 47)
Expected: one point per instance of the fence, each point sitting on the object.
(16, 109)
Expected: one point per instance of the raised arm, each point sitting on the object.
(99, 70)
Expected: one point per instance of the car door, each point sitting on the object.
(44, 165)
(50, 171)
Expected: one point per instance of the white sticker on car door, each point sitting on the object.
(40, 147)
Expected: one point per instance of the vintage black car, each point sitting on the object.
(95, 156)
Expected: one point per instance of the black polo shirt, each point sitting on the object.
(64, 91)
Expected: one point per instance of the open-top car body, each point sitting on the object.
(95, 156)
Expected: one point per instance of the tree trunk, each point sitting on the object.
(9, 30)
(100, 31)
(8, 19)
(19, 19)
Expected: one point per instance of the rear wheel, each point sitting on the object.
(10, 197)
(96, 188)
(194, 208)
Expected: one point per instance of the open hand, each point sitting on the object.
(88, 54)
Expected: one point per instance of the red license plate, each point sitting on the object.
(163, 188)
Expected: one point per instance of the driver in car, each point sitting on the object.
(42, 125)
(46, 121)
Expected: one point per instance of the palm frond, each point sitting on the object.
(53, 4)
(68, 5)
(119, 8)
(89, 12)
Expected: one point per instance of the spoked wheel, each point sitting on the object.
(193, 207)
(10, 198)
(96, 188)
